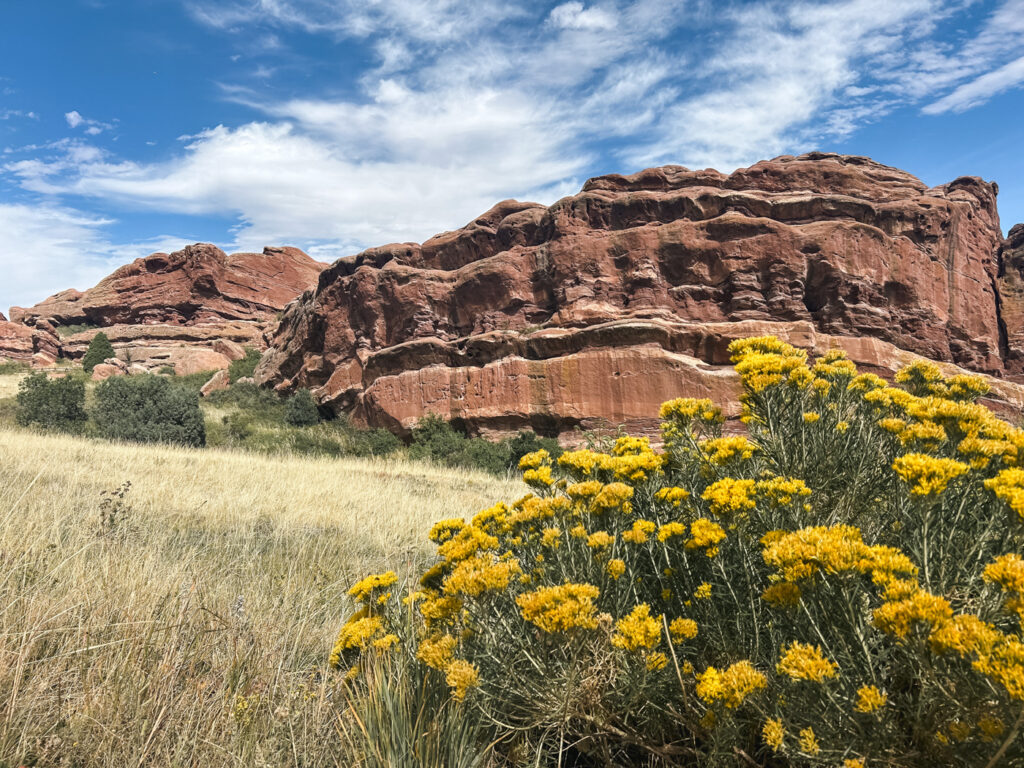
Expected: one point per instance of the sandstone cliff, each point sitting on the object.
(599, 307)
(193, 309)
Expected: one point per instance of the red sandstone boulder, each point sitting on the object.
(608, 302)
(220, 380)
(105, 371)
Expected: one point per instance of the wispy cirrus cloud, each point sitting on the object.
(467, 102)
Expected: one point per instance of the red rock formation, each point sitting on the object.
(192, 309)
(36, 344)
(197, 284)
(608, 302)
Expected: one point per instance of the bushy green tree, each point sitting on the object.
(100, 349)
(51, 403)
(437, 440)
(148, 409)
(245, 367)
(300, 410)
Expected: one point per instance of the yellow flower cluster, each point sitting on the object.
(616, 568)
(731, 686)
(372, 585)
(801, 661)
(898, 616)
(805, 553)
(668, 530)
(682, 630)
(640, 532)
(1008, 485)
(927, 475)
(870, 699)
(445, 529)
(538, 478)
(782, 594)
(359, 633)
(808, 742)
(673, 496)
(722, 450)
(638, 629)
(729, 496)
(560, 608)
(811, 417)
(600, 540)
(834, 365)
(687, 409)
(480, 574)
(1008, 572)
(437, 651)
(706, 535)
(461, 676)
(773, 733)
(781, 491)
(629, 465)
(466, 543)
(614, 496)
(535, 460)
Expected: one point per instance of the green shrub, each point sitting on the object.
(246, 366)
(300, 410)
(168, 370)
(57, 404)
(372, 442)
(193, 381)
(841, 586)
(148, 409)
(434, 439)
(13, 368)
(100, 349)
(70, 330)
(263, 405)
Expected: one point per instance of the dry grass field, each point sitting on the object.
(189, 623)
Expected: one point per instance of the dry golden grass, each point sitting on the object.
(195, 630)
(9, 385)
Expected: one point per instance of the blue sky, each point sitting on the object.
(129, 126)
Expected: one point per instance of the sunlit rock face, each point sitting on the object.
(596, 309)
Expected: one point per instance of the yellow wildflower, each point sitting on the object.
(896, 618)
(773, 733)
(842, 426)
(808, 742)
(673, 496)
(991, 727)
(461, 676)
(730, 686)
(722, 450)
(584, 490)
(854, 762)
(656, 660)
(668, 530)
(578, 531)
(927, 474)
(640, 531)
(1008, 485)
(362, 590)
(729, 496)
(810, 417)
(703, 592)
(780, 491)
(466, 543)
(801, 661)
(638, 629)
(870, 699)
(445, 529)
(600, 540)
(704, 534)
(551, 537)
(437, 651)
(782, 594)
(476, 575)
(682, 630)
(540, 477)
(535, 460)
(560, 608)
(616, 568)
(613, 496)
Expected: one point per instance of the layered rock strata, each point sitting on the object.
(596, 309)
(194, 309)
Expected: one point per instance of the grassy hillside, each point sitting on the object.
(188, 623)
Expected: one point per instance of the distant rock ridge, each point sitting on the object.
(193, 310)
(595, 309)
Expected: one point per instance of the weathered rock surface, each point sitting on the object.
(220, 380)
(601, 306)
(37, 344)
(194, 309)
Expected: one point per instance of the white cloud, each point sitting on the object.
(49, 248)
(981, 89)
(92, 127)
(574, 15)
(471, 101)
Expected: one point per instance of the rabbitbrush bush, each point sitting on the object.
(843, 586)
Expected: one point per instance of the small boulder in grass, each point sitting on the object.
(220, 380)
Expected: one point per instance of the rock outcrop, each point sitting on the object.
(597, 308)
(194, 309)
